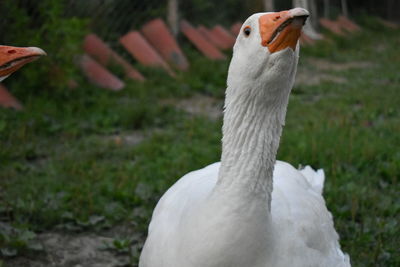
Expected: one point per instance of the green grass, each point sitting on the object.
(61, 166)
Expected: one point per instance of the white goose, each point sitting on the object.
(13, 58)
(249, 210)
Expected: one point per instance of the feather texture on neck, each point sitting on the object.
(255, 111)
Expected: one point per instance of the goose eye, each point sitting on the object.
(247, 30)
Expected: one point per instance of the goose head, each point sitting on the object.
(265, 55)
(13, 58)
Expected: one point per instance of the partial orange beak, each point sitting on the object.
(13, 58)
(282, 29)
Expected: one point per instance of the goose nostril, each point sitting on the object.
(12, 51)
(276, 18)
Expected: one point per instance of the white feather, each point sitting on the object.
(315, 178)
(303, 227)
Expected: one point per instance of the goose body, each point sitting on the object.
(302, 231)
(249, 210)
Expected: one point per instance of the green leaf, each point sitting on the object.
(26, 235)
(96, 219)
(37, 246)
(8, 252)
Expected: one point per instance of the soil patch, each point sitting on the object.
(66, 250)
(87, 249)
(326, 65)
(318, 70)
(307, 77)
(199, 105)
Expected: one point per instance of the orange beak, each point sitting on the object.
(282, 29)
(13, 58)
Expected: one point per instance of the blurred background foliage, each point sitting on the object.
(44, 24)
(60, 26)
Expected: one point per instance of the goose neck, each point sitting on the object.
(251, 135)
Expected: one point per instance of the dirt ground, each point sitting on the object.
(321, 71)
(87, 249)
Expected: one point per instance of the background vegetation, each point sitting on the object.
(68, 162)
